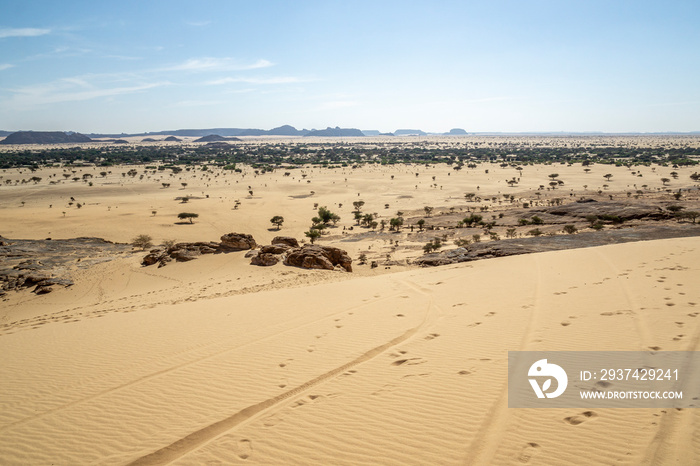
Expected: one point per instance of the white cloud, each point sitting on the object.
(217, 64)
(72, 90)
(274, 80)
(23, 32)
(5, 66)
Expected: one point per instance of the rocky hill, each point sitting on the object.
(215, 138)
(336, 132)
(44, 137)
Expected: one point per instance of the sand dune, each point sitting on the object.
(215, 361)
(405, 368)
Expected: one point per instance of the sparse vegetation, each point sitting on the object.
(142, 241)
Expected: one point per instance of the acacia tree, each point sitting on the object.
(313, 234)
(187, 215)
(277, 220)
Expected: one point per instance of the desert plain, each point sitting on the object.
(217, 361)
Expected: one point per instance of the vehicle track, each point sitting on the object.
(196, 439)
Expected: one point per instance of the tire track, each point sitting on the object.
(182, 365)
(204, 435)
(486, 443)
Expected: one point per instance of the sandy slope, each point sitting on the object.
(404, 368)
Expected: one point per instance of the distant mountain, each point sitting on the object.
(456, 132)
(409, 132)
(335, 132)
(215, 138)
(374, 132)
(44, 137)
(172, 139)
(148, 140)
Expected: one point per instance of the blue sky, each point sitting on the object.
(133, 66)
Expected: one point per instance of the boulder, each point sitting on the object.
(288, 240)
(319, 257)
(184, 255)
(237, 242)
(153, 257)
(265, 259)
(275, 249)
(43, 289)
(251, 253)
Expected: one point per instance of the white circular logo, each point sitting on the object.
(542, 369)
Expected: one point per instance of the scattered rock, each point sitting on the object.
(183, 252)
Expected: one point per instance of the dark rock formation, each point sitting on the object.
(172, 139)
(319, 257)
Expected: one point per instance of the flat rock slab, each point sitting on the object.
(511, 247)
(43, 263)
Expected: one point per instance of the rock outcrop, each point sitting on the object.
(184, 252)
(510, 247)
(319, 257)
(237, 242)
(288, 240)
(45, 264)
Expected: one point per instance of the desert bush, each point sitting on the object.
(142, 241)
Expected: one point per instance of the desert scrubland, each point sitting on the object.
(217, 361)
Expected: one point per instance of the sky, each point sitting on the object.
(491, 65)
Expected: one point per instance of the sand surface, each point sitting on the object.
(216, 361)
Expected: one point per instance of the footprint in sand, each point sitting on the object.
(490, 314)
(528, 452)
(285, 363)
(432, 336)
(580, 419)
(678, 337)
(244, 448)
(272, 421)
(409, 362)
(311, 348)
(565, 324)
(283, 383)
(390, 387)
